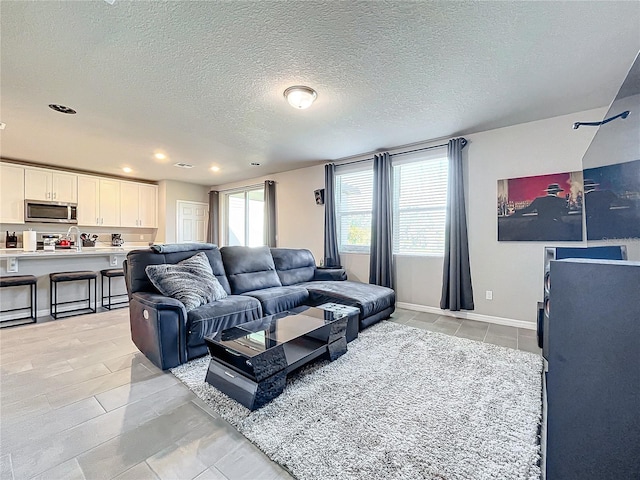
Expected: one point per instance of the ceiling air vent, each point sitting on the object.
(182, 165)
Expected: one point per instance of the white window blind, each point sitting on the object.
(354, 196)
(419, 205)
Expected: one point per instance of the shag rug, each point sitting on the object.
(402, 403)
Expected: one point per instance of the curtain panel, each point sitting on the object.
(457, 292)
(270, 236)
(213, 234)
(381, 258)
(331, 255)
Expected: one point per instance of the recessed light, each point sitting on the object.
(182, 165)
(62, 109)
(127, 170)
(159, 156)
(215, 169)
(2, 126)
(254, 164)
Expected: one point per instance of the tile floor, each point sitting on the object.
(78, 401)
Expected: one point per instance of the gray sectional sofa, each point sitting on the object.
(259, 281)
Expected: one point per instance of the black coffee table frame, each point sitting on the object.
(250, 362)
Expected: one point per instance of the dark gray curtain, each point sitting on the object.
(457, 293)
(331, 255)
(381, 258)
(270, 213)
(214, 205)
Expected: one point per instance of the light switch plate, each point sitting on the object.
(12, 265)
(113, 260)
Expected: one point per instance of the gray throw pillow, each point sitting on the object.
(191, 281)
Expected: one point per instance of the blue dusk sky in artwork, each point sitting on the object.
(621, 178)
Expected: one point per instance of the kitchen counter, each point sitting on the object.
(64, 252)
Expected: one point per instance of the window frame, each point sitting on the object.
(359, 167)
(246, 191)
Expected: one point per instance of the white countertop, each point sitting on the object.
(86, 251)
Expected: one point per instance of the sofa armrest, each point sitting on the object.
(337, 274)
(158, 328)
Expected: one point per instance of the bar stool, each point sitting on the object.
(110, 273)
(61, 277)
(21, 281)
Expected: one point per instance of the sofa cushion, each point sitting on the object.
(280, 299)
(226, 313)
(370, 299)
(294, 265)
(249, 268)
(191, 281)
(137, 261)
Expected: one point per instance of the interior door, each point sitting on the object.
(193, 218)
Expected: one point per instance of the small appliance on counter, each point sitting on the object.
(116, 240)
(11, 241)
(49, 242)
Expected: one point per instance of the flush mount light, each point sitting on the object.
(183, 165)
(159, 156)
(300, 97)
(215, 169)
(62, 109)
(127, 170)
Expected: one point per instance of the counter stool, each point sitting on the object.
(109, 274)
(22, 281)
(60, 277)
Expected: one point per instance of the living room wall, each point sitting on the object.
(169, 192)
(513, 271)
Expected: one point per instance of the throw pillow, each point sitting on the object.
(191, 281)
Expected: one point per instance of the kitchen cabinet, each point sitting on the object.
(12, 194)
(138, 205)
(49, 185)
(98, 201)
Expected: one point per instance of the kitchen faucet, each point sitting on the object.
(78, 240)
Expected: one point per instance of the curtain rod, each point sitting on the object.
(464, 142)
(240, 188)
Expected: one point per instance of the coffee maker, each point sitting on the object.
(116, 240)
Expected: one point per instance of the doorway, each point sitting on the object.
(192, 221)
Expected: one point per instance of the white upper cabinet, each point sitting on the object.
(50, 185)
(98, 201)
(139, 205)
(11, 194)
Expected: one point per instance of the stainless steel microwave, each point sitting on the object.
(38, 211)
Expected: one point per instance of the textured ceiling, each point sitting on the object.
(203, 81)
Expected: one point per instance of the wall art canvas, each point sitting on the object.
(541, 208)
(612, 201)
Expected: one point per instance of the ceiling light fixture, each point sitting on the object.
(62, 109)
(127, 170)
(2, 126)
(215, 169)
(300, 97)
(159, 156)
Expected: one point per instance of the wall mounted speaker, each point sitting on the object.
(319, 194)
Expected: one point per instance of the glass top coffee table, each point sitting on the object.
(250, 362)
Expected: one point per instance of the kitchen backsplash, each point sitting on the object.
(131, 236)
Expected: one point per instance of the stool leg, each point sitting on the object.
(95, 294)
(109, 293)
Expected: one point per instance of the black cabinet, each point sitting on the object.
(592, 386)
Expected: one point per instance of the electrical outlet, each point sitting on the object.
(141, 237)
(489, 295)
(113, 261)
(12, 265)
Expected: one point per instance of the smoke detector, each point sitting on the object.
(182, 165)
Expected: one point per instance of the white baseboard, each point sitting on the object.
(469, 316)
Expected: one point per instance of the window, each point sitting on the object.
(420, 204)
(245, 217)
(354, 196)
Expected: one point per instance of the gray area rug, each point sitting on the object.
(402, 403)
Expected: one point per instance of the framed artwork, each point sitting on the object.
(612, 201)
(541, 208)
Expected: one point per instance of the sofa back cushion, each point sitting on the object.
(138, 260)
(249, 268)
(293, 265)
